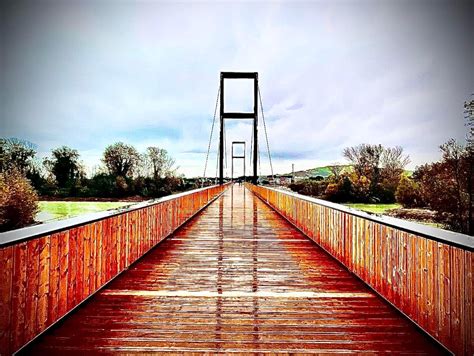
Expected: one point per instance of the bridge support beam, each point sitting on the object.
(238, 115)
(237, 157)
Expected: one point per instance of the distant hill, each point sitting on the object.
(326, 172)
(319, 171)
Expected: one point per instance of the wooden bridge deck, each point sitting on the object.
(237, 278)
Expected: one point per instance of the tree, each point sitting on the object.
(16, 154)
(336, 170)
(393, 163)
(377, 171)
(469, 115)
(409, 193)
(365, 159)
(64, 165)
(18, 200)
(447, 186)
(121, 159)
(158, 162)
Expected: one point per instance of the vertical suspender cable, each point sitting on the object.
(210, 137)
(251, 151)
(266, 135)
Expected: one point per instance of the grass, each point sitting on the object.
(374, 208)
(54, 210)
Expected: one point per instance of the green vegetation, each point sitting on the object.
(52, 210)
(373, 208)
(24, 178)
(18, 200)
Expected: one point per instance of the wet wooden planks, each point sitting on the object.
(238, 278)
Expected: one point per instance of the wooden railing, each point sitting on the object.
(47, 270)
(425, 272)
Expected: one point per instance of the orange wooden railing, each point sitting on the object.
(425, 272)
(47, 270)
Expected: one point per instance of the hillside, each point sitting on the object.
(319, 171)
(326, 172)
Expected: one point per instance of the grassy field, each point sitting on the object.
(374, 208)
(54, 210)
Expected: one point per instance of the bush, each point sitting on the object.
(310, 187)
(339, 192)
(101, 185)
(18, 201)
(409, 193)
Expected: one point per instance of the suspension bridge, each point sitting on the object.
(235, 269)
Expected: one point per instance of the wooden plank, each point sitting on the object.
(54, 277)
(72, 288)
(6, 286)
(114, 248)
(43, 288)
(18, 309)
(86, 258)
(432, 283)
(32, 285)
(93, 258)
(444, 290)
(402, 262)
(468, 302)
(457, 300)
(63, 239)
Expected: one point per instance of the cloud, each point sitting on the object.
(331, 74)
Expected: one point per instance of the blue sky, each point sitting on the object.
(332, 74)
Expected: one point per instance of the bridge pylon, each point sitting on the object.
(238, 115)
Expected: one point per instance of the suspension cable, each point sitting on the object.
(266, 135)
(210, 137)
(217, 165)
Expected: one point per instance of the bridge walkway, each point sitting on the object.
(236, 278)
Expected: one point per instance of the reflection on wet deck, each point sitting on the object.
(237, 278)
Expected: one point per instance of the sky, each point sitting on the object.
(332, 74)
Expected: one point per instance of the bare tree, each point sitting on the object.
(365, 158)
(121, 159)
(159, 162)
(336, 170)
(393, 163)
(469, 115)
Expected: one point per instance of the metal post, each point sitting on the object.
(221, 135)
(255, 128)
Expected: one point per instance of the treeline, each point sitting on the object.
(124, 172)
(378, 176)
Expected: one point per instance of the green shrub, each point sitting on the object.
(409, 193)
(310, 187)
(18, 201)
(339, 192)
